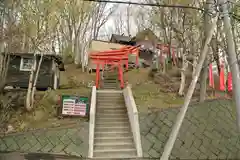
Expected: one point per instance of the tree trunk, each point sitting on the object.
(128, 21)
(214, 45)
(183, 75)
(4, 62)
(35, 80)
(204, 72)
(28, 104)
(76, 51)
(195, 60)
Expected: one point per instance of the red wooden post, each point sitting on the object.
(173, 56)
(121, 76)
(137, 55)
(222, 78)
(211, 80)
(126, 63)
(229, 82)
(97, 75)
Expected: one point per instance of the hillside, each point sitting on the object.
(148, 95)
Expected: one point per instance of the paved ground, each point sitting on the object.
(72, 140)
(208, 131)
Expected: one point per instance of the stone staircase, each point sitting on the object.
(110, 81)
(113, 137)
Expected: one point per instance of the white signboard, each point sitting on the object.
(71, 107)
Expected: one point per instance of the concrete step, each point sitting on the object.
(101, 94)
(110, 83)
(115, 153)
(112, 129)
(110, 100)
(107, 98)
(110, 92)
(115, 145)
(111, 111)
(110, 87)
(111, 140)
(113, 119)
(111, 134)
(116, 114)
(110, 80)
(112, 97)
(101, 112)
(123, 116)
(112, 103)
(110, 75)
(110, 106)
(116, 123)
(123, 158)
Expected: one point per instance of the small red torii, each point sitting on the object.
(114, 58)
(165, 47)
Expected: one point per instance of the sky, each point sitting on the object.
(110, 26)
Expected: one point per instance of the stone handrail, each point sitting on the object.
(92, 121)
(133, 118)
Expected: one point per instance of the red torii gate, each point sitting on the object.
(114, 58)
(119, 52)
(166, 47)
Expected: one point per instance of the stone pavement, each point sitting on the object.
(208, 131)
(71, 140)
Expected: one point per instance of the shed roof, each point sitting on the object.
(146, 32)
(120, 38)
(57, 58)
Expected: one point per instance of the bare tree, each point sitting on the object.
(4, 62)
(119, 23)
(128, 20)
(38, 33)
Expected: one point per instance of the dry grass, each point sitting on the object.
(73, 82)
(73, 76)
(147, 95)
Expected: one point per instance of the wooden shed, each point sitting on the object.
(146, 35)
(122, 39)
(20, 65)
